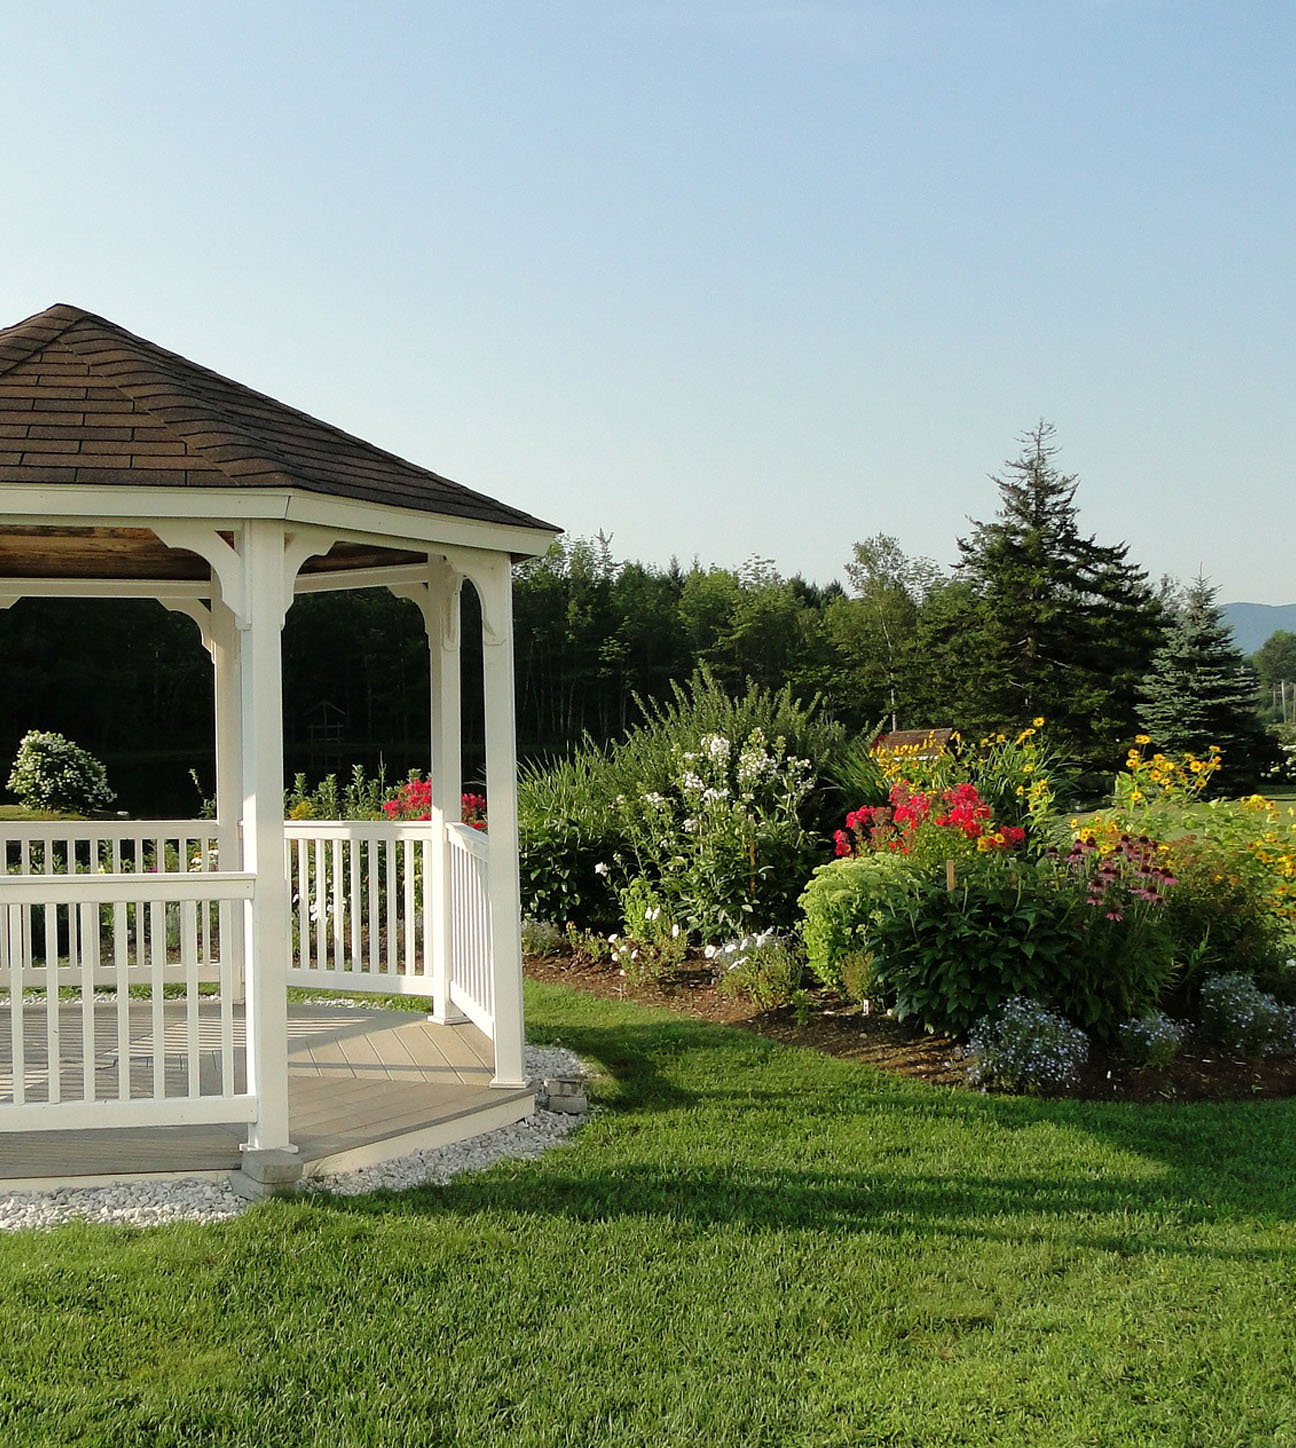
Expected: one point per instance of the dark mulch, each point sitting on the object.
(1200, 1073)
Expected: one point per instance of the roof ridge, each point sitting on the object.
(24, 339)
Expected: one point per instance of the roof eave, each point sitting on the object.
(23, 504)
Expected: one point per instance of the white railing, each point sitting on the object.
(472, 979)
(148, 1050)
(108, 930)
(131, 847)
(356, 892)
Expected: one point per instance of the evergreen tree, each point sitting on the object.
(1058, 624)
(1200, 691)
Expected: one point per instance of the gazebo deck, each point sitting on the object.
(364, 1085)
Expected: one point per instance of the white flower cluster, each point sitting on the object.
(1025, 1047)
(734, 953)
(1245, 1019)
(1152, 1040)
(715, 746)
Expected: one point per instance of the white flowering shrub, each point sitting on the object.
(765, 969)
(722, 840)
(1025, 1047)
(1152, 1040)
(542, 937)
(51, 773)
(1245, 1020)
(653, 942)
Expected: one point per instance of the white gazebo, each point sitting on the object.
(145, 963)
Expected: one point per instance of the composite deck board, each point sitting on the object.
(355, 1078)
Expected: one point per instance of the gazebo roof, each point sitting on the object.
(83, 402)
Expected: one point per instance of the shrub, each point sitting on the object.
(722, 840)
(946, 958)
(657, 942)
(766, 969)
(1019, 927)
(568, 840)
(1245, 1020)
(1152, 1040)
(361, 798)
(1023, 1046)
(839, 903)
(541, 937)
(52, 773)
(711, 800)
(1249, 844)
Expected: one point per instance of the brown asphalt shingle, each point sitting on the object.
(84, 401)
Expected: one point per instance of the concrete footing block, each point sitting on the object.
(266, 1174)
(564, 1093)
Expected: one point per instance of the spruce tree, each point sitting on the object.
(1062, 626)
(1200, 691)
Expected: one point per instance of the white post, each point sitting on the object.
(442, 619)
(495, 585)
(229, 767)
(266, 914)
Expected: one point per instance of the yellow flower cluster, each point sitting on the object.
(1162, 796)
(1165, 773)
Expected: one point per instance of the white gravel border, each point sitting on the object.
(199, 1199)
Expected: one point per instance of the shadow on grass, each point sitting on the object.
(1209, 1163)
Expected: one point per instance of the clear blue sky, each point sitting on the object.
(721, 277)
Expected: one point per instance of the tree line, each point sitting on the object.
(1035, 619)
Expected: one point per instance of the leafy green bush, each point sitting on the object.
(1152, 1040)
(568, 840)
(1023, 1046)
(361, 798)
(1245, 1020)
(722, 841)
(1219, 913)
(711, 800)
(765, 969)
(1081, 942)
(946, 958)
(842, 899)
(542, 937)
(52, 773)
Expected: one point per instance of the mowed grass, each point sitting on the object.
(749, 1245)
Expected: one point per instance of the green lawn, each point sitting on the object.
(751, 1245)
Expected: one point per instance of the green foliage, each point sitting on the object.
(947, 958)
(722, 842)
(1056, 624)
(842, 900)
(710, 800)
(765, 969)
(360, 798)
(1153, 1040)
(1243, 1019)
(52, 773)
(568, 838)
(542, 938)
(1022, 1046)
(1200, 692)
(943, 958)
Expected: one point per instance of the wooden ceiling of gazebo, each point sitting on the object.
(84, 403)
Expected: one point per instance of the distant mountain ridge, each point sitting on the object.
(1253, 623)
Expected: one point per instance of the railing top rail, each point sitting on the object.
(14, 831)
(357, 829)
(469, 839)
(96, 889)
